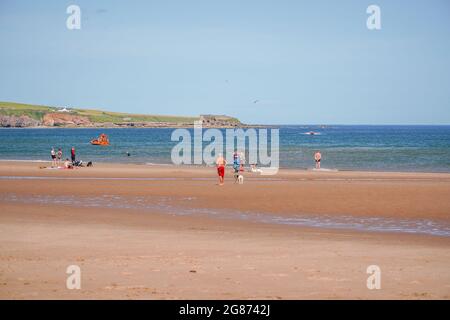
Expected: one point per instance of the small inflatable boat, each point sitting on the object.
(102, 140)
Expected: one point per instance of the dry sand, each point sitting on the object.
(130, 253)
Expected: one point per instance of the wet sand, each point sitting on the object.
(159, 253)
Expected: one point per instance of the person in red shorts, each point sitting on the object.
(220, 164)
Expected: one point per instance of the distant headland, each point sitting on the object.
(19, 115)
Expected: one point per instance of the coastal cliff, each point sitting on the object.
(17, 115)
(64, 119)
(22, 121)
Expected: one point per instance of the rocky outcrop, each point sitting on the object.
(221, 121)
(18, 121)
(65, 119)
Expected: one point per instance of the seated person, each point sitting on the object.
(68, 164)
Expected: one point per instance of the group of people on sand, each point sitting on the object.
(239, 161)
(238, 166)
(57, 158)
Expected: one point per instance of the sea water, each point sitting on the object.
(376, 148)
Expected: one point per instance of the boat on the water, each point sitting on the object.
(102, 140)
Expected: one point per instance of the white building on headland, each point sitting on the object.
(63, 109)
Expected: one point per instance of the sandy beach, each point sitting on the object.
(165, 232)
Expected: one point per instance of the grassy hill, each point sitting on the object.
(37, 112)
(18, 109)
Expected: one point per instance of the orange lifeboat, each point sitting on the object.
(102, 140)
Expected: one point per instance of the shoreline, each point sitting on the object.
(229, 167)
(290, 190)
(343, 223)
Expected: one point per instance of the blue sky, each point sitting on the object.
(304, 61)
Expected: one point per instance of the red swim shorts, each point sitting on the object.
(221, 171)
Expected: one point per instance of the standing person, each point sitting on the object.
(59, 156)
(242, 158)
(53, 155)
(72, 153)
(236, 165)
(317, 158)
(220, 164)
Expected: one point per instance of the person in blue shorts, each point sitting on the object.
(236, 165)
